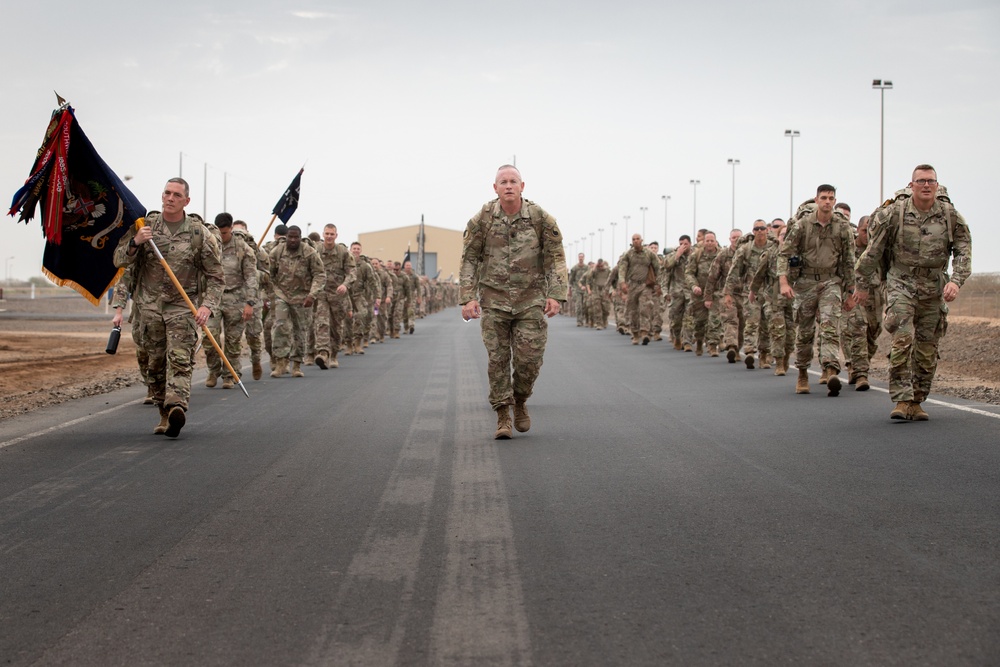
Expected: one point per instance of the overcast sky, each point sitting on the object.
(402, 109)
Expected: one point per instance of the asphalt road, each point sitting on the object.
(663, 510)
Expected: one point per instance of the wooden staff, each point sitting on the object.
(261, 241)
(194, 311)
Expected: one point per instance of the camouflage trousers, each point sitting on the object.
(361, 323)
(408, 313)
(599, 305)
(254, 332)
(229, 320)
(169, 338)
(781, 324)
(141, 355)
(396, 319)
(681, 323)
(267, 324)
(818, 305)
(917, 317)
(381, 324)
(513, 341)
(707, 324)
(659, 308)
(639, 308)
(618, 304)
(861, 329)
(580, 305)
(288, 335)
(756, 335)
(731, 318)
(331, 311)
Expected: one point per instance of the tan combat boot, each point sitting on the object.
(698, 348)
(503, 424)
(917, 413)
(861, 383)
(825, 374)
(779, 365)
(765, 360)
(713, 350)
(149, 396)
(901, 411)
(161, 428)
(257, 369)
(212, 379)
(280, 368)
(227, 383)
(358, 349)
(687, 347)
(321, 360)
(297, 370)
(522, 420)
(677, 344)
(175, 421)
(644, 335)
(802, 384)
(731, 354)
(333, 361)
(635, 339)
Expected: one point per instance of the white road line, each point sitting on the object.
(74, 422)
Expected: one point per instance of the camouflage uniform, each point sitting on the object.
(402, 288)
(363, 291)
(746, 261)
(576, 293)
(123, 290)
(380, 325)
(778, 310)
(295, 276)
(331, 308)
(412, 296)
(169, 332)
(915, 246)
(239, 264)
(730, 316)
(680, 298)
(511, 265)
(599, 303)
(862, 328)
(254, 329)
(706, 323)
(633, 270)
(827, 257)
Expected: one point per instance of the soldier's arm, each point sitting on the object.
(961, 252)
(472, 257)
(122, 256)
(847, 259)
(554, 261)
(211, 264)
(878, 243)
(250, 272)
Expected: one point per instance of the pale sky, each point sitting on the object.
(402, 109)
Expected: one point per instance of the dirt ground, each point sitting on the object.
(52, 350)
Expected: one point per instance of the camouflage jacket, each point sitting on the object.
(575, 274)
(296, 275)
(338, 263)
(513, 263)
(917, 243)
(239, 264)
(635, 264)
(401, 286)
(387, 283)
(698, 266)
(153, 287)
(826, 251)
(746, 261)
(414, 285)
(674, 269)
(597, 279)
(366, 284)
(718, 271)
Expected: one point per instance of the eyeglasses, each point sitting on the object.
(775, 226)
(925, 181)
(759, 229)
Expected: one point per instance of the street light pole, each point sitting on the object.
(643, 209)
(600, 242)
(734, 163)
(666, 201)
(628, 240)
(613, 225)
(591, 246)
(694, 223)
(791, 134)
(882, 85)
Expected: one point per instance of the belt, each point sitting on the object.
(923, 271)
(817, 275)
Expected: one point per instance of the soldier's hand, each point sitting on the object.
(342, 290)
(752, 297)
(860, 296)
(950, 291)
(729, 301)
(308, 301)
(201, 319)
(787, 291)
(247, 312)
(552, 307)
(624, 289)
(116, 321)
(471, 310)
(708, 303)
(696, 290)
(142, 235)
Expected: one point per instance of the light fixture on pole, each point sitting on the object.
(694, 220)
(666, 201)
(613, 225)
(882, 85)
(644, 209)
(600, 242)
(791, 134)
(734, 164)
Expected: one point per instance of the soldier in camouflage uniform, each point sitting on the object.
(659, 295)
(254, 329)
(730, 312)
(863, 324)
(674, 266)
(513, 275)
(756, 334)
(696, 274)
(333, 303)
(239, 264)
(365, 293)
(823, 242)
(170, 330)
(414, 298)
(402, 288)
(267, 319)
(381, 323)
(595, 282)
(576, 298)
(637, 274)
(777, 309)
(123, 290)
(914, 237)
(299, 278)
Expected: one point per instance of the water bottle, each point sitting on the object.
(113, 339)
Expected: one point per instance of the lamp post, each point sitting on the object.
(882, 85)
(734, 164)
(591, 245)
(600, 242)
(791, 134)
(643, 209)
(613, 225)
(666, 201)
(583, 244)
(694, 224)
(628, 240)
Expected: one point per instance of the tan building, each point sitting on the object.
(442, 248)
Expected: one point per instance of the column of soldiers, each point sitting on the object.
(816, 287)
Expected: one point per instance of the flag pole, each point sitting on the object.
(273, 218)
(194, 311)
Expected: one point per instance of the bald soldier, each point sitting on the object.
(513, 276)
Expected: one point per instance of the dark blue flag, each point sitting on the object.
(86, 209)
(290, 200)
(406, 257)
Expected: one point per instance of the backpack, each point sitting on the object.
(895, 208)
